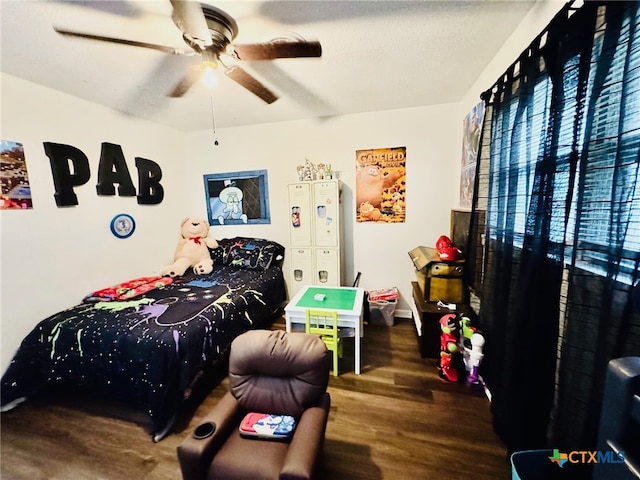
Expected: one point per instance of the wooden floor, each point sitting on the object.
(397, 420)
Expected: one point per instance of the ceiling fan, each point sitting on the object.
(209, 32)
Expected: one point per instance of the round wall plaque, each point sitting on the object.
(123, 225)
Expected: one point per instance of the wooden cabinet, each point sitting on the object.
(427, 319)
(315, 234)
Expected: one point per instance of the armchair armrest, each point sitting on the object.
(307, 440)
(195, 455)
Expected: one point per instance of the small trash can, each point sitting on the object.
(382, 306)
(533, 465)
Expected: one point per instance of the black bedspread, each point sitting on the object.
(147, 350)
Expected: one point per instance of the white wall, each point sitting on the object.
(51, 257)
(379, 251)
(533, 24)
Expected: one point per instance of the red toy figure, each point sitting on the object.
(450, 355)
(446, 250)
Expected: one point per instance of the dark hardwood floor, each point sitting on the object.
(397, 420)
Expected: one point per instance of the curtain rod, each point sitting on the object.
(561, 15)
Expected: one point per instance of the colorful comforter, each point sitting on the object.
(149, 349)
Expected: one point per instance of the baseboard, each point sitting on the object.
(402, 313)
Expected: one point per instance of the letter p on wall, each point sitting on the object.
(63, 180)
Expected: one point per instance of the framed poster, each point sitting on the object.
(15, 191)
(237, 198)
(381, 185)
(472, 128)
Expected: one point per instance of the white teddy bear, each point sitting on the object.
(192, 249)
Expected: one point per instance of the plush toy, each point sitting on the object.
(192, 249)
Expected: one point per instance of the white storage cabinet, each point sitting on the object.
(315, 253)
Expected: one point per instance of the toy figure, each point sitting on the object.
(446, 250)
(475, 358)
(450, 356)
(471, 344)
(329, 172)
(309, 170)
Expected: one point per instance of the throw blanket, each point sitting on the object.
(129, 289)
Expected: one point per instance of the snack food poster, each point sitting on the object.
(380, 185)
(470, 142)
(15, 191)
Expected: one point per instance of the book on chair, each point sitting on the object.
(267, 426)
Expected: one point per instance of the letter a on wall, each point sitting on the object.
(113, 169)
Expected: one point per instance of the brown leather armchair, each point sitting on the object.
(269, 372)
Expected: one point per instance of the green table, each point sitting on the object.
(346, 301)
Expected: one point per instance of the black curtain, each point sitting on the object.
(554, 246)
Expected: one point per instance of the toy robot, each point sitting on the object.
(475, 358)
(450, 356)
(471, 345)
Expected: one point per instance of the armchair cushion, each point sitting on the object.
(277, 372)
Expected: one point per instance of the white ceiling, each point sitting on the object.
(377, 55)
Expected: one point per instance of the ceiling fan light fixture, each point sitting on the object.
(209, 33)
(209, 77)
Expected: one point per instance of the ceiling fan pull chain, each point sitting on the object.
(213, 119)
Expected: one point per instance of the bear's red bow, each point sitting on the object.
(195, 239)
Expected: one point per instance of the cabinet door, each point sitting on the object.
(301, 268)
(327, 267)
(326, 213)
(301, 221)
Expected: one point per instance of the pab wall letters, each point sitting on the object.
(112, 169)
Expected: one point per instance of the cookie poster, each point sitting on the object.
(380, 185)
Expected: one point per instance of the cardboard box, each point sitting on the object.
(439, 280)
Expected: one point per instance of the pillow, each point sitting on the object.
(249, 253)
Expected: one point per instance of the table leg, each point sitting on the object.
(357, 353)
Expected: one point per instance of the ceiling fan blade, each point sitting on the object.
(241, 77)
(189, 18)
(134, 43)
(192, 77)
(277, 49)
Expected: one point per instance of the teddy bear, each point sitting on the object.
(192, 250)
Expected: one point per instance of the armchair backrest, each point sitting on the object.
(272, 371)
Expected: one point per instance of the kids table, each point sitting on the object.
(347, 301)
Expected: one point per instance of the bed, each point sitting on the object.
(148, 342)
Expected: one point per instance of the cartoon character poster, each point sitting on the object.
(237, 198)
(15, 191)
(470, 143)
(380, 185)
